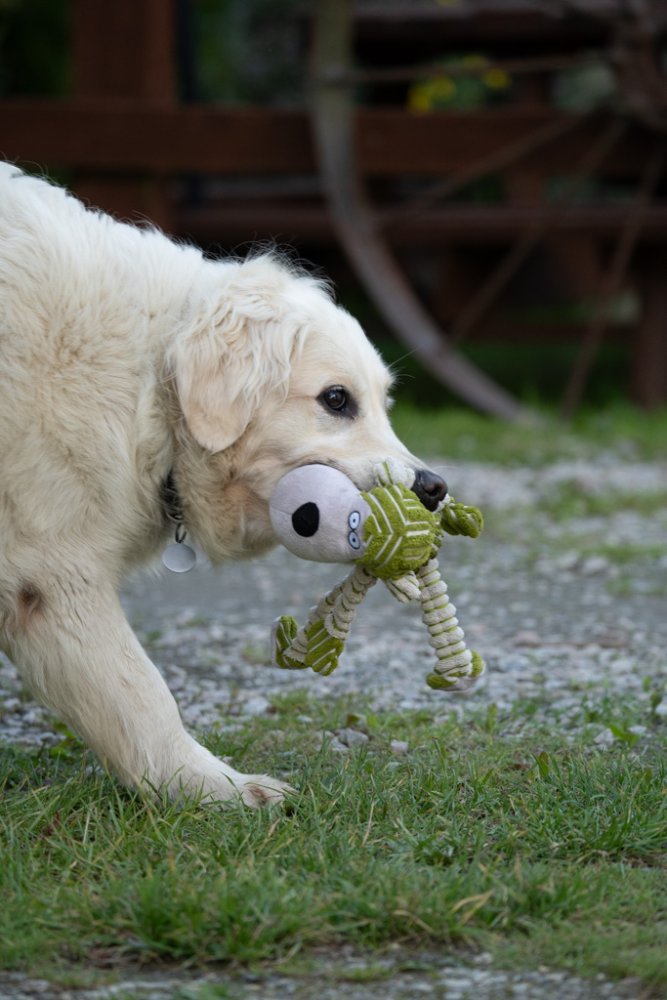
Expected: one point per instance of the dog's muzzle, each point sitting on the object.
(429, 487)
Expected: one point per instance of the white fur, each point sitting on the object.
(123, 356)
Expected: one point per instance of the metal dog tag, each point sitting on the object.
(179, 557)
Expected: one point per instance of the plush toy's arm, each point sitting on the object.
(455, 518)
(392, 472)
(460, 519)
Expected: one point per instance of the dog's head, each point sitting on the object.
(274, 375)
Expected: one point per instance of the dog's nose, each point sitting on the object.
(429, 487)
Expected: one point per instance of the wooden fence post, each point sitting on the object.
(124, 53)
(649, 369)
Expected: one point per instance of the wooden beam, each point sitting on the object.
(234, 217)
(118, 135)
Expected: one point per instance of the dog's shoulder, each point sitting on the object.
(59, 257)
(28, 202)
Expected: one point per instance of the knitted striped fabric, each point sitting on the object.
(400, 534)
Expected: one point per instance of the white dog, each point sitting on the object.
(138, 382)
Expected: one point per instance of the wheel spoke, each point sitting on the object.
(625, 246)
(532, 235)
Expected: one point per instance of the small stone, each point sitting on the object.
(527, 638)
(257, 705)
(614, 639)
(594, 565)
(484, 958)
(605, 738)
(568, 561)
(33, 716)
(399, 747)
(333, 743)
(352, 737)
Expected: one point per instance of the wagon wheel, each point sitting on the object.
(632, 53)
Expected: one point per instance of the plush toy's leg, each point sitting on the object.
(320, 642)
(326, 637)
(457, 668)
(289, 643)
(404, 588)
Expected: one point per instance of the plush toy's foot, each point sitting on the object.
(324, 649)
(283, 634)
(313, 647)
(458, 682)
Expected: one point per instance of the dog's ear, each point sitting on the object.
(236, 352)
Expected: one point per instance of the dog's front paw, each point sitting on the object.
(259, 790)
(198, 774)
(254, 790)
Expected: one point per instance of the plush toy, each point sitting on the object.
(318, 514)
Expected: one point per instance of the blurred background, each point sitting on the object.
(483, 179)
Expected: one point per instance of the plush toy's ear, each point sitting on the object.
(237, 350)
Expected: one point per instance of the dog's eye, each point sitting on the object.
(337, 399)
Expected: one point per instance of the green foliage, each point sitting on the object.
(534, 371)
(463, 84)
(571, 500)
(248, 51)
(463, 434)
(34, 47)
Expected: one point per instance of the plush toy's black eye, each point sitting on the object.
(337, 399)
(306, 520)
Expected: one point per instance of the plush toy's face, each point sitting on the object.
(318, 514)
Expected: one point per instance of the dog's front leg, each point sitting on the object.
(77, 652)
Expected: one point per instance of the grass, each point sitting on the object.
(463, 434)
(499, 834)
(571, 500)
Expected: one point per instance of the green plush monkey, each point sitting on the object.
(318, 514)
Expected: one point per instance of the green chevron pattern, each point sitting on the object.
(400, 534)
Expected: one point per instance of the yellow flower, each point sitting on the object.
(419, 99)
(496, 79)
(432, 93)
(443, 88)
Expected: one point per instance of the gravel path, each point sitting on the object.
(431, 978)
(560, 608)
